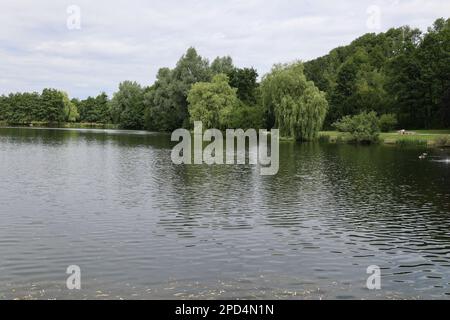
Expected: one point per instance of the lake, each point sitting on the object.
(140, 227)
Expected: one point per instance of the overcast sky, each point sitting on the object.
(42, 46)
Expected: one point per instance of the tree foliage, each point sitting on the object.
(94, 110)
(402, 74)
(297, 105)
(363, 127)
(210, 101)
(388, 122)
(166, 102)
(245, 80)
(401, 71)
(223, 65)
(127, 106)
(420, 79)
(51, 106)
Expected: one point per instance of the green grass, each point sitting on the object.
(442, 132)
(420, 138)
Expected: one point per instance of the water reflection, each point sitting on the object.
(142, 227)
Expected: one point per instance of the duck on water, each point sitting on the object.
(423, 156)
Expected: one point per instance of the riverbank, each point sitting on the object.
(68, 125)
(431, 138)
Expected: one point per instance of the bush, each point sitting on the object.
(387, 122)
(363, 128)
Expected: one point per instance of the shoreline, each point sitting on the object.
(424, 138)
(60, 125)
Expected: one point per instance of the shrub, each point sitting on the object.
(363, 128)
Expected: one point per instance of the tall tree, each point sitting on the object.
(420, 78)
(209, 101)
(357, 77)
(245, 81)
(166, 102)
(127, 106)
(223, 65)
(70, 109)
(297, 104)
(94, 110)
(159, 104)
(56, 106)
(3, 107)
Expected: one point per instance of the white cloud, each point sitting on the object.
(87, 47)
(132, 39)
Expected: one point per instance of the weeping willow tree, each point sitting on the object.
(297, 106)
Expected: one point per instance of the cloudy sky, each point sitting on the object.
(42, 46)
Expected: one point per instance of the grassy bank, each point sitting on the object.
(440, 138)
(72, 125)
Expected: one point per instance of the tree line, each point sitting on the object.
(402, 74)
(49, 106)
(218, 93)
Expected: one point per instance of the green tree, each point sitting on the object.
(299, 108)
(344, 97)
(70, 109)
(388, 122)
(242, 116)
(55, 106)
(166, 102)
(357, 77)
(444, 110)
(223, 65)
(21, 108)
(94, 110)
(434, 57)
(420, 78)
(245, 81)
(370, 92)
(160, 107)
(209, 101)
(3, 107)
(127, 106)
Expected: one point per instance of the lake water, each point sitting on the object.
(141, 227)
